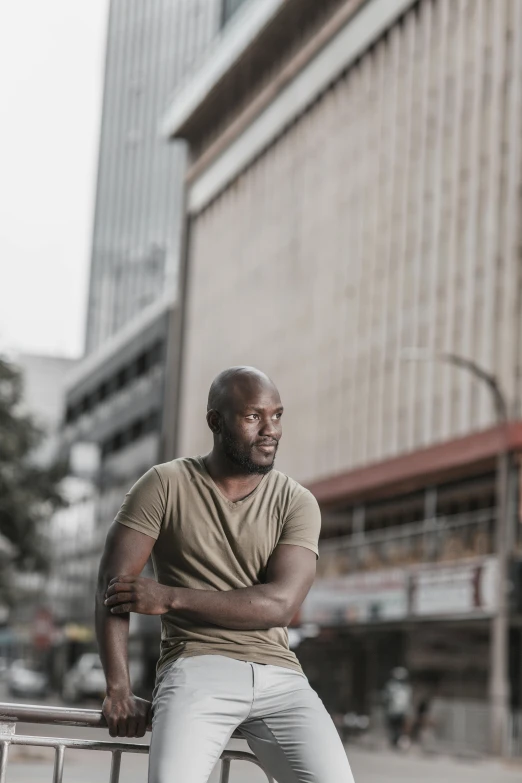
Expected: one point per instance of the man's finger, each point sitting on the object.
(118, 598)
(113, 728)
(142, 726)
(132, 726)
(118, 587)
(122, 609)
(122, 578)
(148, 717)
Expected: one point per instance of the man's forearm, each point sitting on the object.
(245, 609)
(112, 632)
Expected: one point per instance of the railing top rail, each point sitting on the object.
(56, 716)
(443, 523)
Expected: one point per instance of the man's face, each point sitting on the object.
(251, 428)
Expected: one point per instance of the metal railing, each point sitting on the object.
(11, 714)
(429, 540)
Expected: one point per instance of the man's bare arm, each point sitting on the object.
(290, 574)
(125, 550)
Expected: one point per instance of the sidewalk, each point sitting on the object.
(380, 766)
(383, 766)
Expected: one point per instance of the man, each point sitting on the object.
(397, 702)
(234, 546)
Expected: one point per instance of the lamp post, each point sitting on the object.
(499, 646)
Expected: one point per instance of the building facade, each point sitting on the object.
(137, 227)
(353, 192)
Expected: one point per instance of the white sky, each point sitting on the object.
(51, 80)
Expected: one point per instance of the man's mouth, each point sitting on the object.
(267, 447)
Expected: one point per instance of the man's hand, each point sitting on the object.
(137, 594)
(126, 714)
(273, 604)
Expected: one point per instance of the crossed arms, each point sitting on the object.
(121, 590)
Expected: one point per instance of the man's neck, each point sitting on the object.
(232, 483)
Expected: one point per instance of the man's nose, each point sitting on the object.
(269, 428)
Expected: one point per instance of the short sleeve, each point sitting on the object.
(303, 522)
(144, 506)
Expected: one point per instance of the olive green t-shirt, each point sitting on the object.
(206, 542)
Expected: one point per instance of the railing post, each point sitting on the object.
(4, 752)
(225, 771)
(58, 764)
(7, 730)
(115, 766)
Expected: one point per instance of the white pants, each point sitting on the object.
(199, 701)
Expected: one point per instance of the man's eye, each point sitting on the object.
(278, 415)
(252, 416)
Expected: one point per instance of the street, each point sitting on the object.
(34, 765)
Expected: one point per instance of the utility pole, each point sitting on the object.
(499, 643)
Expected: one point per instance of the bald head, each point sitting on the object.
(244, 414)
(235, 385)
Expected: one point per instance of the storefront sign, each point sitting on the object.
(466, 587)
(358, 598)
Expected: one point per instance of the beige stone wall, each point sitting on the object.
(385, 217)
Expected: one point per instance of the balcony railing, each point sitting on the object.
(430, 540)
(11, 714)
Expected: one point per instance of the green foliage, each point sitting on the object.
(29, 493)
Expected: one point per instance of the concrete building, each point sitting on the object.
(44, 379)
(353, 193)
(137, 227)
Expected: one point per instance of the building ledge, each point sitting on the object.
(114, 348)
(446, 461)
(226, 53)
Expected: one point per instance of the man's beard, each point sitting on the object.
(236, 454)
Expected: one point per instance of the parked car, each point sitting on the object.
(23, 681)
(85, 680)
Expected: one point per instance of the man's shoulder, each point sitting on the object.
(292, 490)
(179, 468)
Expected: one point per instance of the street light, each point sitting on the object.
(499, 675)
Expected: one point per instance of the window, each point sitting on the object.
(137, 429)
(138, 367)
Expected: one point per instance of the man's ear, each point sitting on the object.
(214, 421)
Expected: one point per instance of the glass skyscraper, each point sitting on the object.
(151, 45)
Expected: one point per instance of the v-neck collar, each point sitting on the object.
(230, 503)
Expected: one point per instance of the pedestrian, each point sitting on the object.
(234, 547)
(397, 703)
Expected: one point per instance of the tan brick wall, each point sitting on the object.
(385, 217)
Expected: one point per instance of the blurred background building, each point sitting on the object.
(44, 379)
(355, 178)
(120, 396)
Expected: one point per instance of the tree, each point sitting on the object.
(29, 493)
